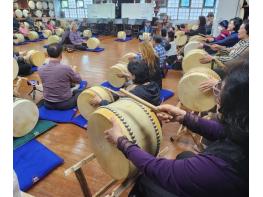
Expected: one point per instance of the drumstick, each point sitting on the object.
(128, 94)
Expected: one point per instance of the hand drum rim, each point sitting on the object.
(192, 60)
(189, 93)
(15, 68)
(112, 77)
(25, 122)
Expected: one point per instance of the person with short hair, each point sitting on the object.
(141, 87)
(76, 39)
(165, 42)
(201, 27)
(159, 49)
(171, 53)
(209, 24)
(222, 27)
(57, 79)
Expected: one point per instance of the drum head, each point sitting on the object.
(112, 77)
(197, 38)
(190, 46)
(37, 58)
(181, 40)
(38, 13)
(86, 96)
(53, 39)
(179, 33)
(189, 93)
(18, 13)
(25, 117)
(146, 36)
(121, 35)
(87, 33)
(93, 43)
(31, 5)
(15, 69)
(39, 5)
(20, 38)
(126, 57)
(47, 33)
(44, 5)
(192, 60)
(25, 13)
(50, 5)
(59, 31)
(33, 35)
(51, 13)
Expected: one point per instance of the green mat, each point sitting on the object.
(41, 127)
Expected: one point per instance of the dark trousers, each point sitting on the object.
(81, 47)
(64, 105)
(145, 187)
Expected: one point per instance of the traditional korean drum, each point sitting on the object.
(59, 31)
(83, 102)
(54, 23)
(18, 13)
(31, 5)
(32, 35)
(51, 5)
(189, 93)
(19, 38)
(39, 5)
(181, 40)
(38, 13)
(36, 58)
(25, 13)
(126, 58)
(15, 5)
(93, 43)
(138, 123)
(197, 38)
(194, 27)
(190, 46)
(26, 24)
(25, 116)
(51, 13)
(44, 5)
(146, 36)
(179, 33)
(87, 33)
(192, 60)
(114, 71)
(53, 39)
(15, 68)
(121, 35)
(47, 33)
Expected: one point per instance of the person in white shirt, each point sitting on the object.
(171, 53)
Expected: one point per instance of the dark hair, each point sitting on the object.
(163, 32)
(234, 101)
(140, 70)
(210, 14)
(182, 26)
(202, 21)
(48, 22)
(246, 24)
(237, 23)
(224, 23)
(54, 50)
(157, 39)
(171, 35)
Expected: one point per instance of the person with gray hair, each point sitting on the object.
(75, 38)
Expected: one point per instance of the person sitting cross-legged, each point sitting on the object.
(75, 38)
(57, 80)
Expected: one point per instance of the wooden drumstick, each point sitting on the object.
(138, 99)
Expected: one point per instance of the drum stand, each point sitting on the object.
(116, 192)
(33, 91)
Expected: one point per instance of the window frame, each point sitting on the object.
(211, 7)
(62, 6)
(180, 4)
(77, 4)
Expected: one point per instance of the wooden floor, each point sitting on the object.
(71, 142)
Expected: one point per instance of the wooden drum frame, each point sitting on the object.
(112, 77)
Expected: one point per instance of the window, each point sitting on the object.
(64, 4)
(197, 3)
(209, 3)
(184, 3)
(80, 4)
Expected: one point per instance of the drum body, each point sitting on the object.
(179, 33)
(32, 35)
(39, 5)
(112, 75)
(87, 33)
(18, 13)
(121, 35)
(53, 39)
(93, 43)
(192, 60)
(138, 123)
(47, 33)
(15, 68)
(83, 102)
(127, 57)
(59, 31)
(36, 58)
(197, 38)
(189, 93)
(31, 5)
(181, 40)
(190, 46)
(25, 116)
(19, 38)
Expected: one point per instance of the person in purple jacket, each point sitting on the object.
(221, 170)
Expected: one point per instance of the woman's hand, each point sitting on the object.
(206, 59)
(207, 85)
(216, 47)
(210, 39)
(113, 133)
(170, 113)
(95, 102)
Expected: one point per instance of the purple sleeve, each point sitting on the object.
(210, 129)
(176, 176)
(75, 38)
(74, 77)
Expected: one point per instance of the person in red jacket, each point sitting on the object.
(222, 26)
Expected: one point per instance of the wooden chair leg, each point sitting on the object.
(83, 183)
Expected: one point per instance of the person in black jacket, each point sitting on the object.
(141, 87)
(201, 27)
